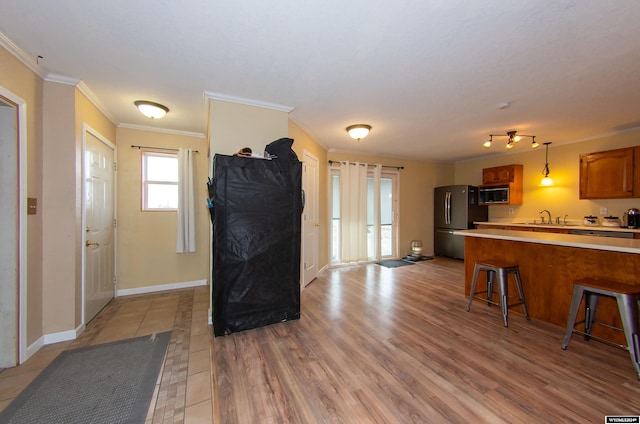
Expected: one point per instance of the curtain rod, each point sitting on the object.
(331, 162)
(157, 148)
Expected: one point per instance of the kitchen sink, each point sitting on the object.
(568, 224)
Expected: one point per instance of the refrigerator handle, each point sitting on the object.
(444, 209)
(448, 208)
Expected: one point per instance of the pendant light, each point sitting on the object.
(546, 180)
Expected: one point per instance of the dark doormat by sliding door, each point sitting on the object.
(108, 383)
(394, 263)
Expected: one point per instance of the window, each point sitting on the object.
(159, 181)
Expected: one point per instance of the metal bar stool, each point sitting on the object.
(627, 298)
(494, 268)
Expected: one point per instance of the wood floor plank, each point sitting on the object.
(380, 345)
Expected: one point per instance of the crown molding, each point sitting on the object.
(84, 89)
(161, 130)
(22, 56)
(39, 70)
(62, 79)
(249, 102)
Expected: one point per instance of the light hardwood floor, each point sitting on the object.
(396, 345)
(373, 345)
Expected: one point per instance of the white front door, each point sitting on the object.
(99, 246)
(310, 222)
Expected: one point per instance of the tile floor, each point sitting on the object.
(183, 391)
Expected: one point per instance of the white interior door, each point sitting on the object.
(8, 234)
(310, 222)
(99, 253)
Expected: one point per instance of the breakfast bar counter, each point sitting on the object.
(550, 263)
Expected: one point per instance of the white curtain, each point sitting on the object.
(186, 235)
(353, 211)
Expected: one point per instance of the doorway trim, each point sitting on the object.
(22, 221)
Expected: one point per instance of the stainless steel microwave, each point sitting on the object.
(493, 194)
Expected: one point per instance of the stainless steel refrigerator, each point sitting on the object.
(456, 208)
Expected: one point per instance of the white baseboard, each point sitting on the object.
(32, 348)
(162, 287)
(63, 336)
(48, 339)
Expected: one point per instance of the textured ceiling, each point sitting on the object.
(428, 75)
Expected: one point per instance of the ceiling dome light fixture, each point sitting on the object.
(546, 180)
(358, 131)
(151, 109)
(513, 139)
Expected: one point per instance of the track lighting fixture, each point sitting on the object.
(513, 138)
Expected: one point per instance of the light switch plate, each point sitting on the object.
(32, 206)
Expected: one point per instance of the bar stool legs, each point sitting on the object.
(627, 298)
(500, 272)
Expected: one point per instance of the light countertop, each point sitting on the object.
(557, 239)
(564, 227)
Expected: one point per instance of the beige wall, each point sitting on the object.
(417, 181)
(66, 110)
(234, 125)
(146, 241)
(60, 190)
(563, 197)
(22, 82)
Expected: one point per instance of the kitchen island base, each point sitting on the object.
(548, 272)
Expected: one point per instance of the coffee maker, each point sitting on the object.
(633, 218)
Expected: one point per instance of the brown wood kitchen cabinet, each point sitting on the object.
(506, 179)
(611, 174)
(502, 174)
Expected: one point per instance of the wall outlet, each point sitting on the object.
(604, 211)
(510, 211)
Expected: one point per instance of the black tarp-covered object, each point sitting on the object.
(257, 206)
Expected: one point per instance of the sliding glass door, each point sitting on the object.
(382, 222)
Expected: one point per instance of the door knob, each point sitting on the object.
(316, 225)
(89, 243)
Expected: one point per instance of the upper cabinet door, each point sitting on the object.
(500, 174)
(609, 175)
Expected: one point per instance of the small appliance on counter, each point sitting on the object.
(590, 221)
(610, 221)
(632, 218)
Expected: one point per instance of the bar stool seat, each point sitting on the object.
(501, 269)
(627, 298)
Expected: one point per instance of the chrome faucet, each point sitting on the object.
(548, 214)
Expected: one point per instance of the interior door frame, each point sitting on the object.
(87, 129)
(21, 109)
